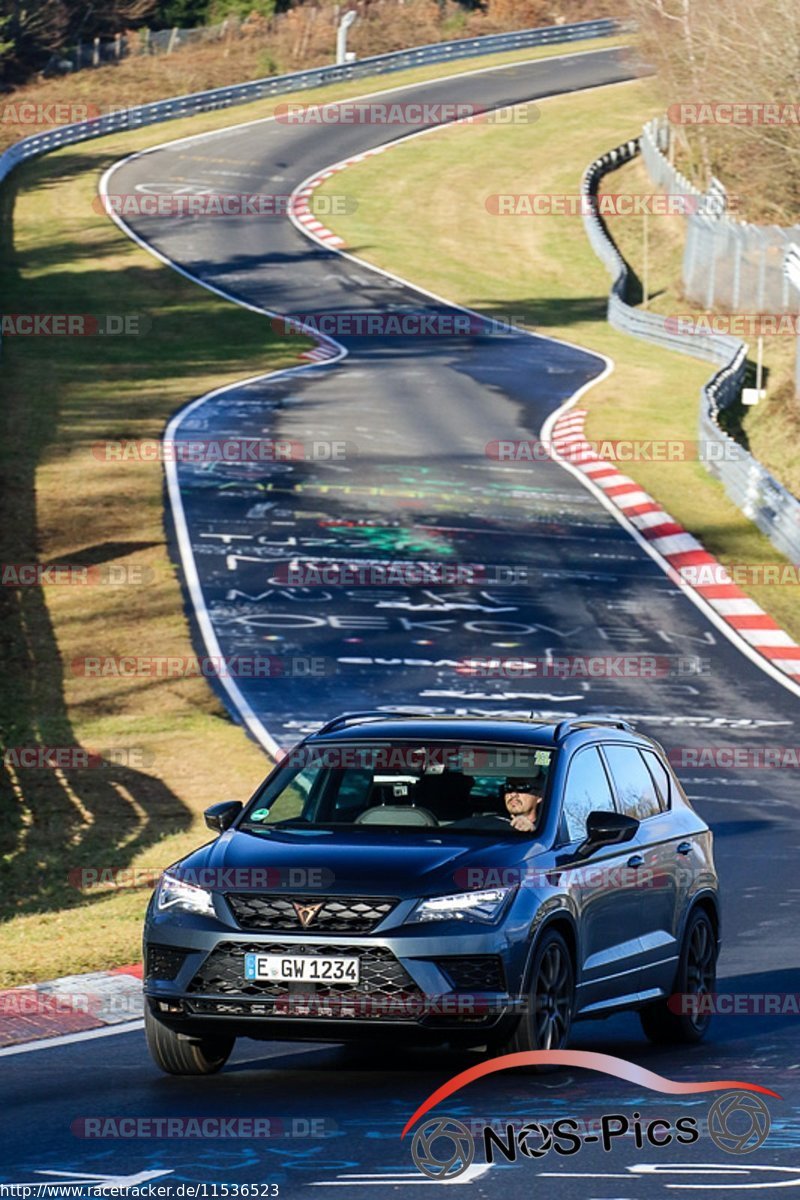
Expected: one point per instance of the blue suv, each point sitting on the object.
(470, 881)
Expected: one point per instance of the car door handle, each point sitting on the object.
(636, 860)
(683, 848)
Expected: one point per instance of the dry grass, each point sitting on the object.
(542, 271)
(770, 429)
(168, 748)
(179, 749)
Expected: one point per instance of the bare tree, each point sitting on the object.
(712, 51)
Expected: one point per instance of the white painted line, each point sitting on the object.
(614, 506)
(402, 1179)
(240, 703)
(568, 407)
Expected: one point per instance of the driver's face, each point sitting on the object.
(521, 803)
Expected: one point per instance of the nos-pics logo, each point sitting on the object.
(444, 1148)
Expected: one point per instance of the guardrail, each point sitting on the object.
(276, 85)
(760, 496)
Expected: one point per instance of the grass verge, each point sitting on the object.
(769, 429)
(541, 272)
(167, 748)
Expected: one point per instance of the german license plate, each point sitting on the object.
(303, 968)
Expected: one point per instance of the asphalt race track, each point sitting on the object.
(416, 415)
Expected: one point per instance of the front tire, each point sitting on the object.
(177, 1056)
(546, 1023)
(695, 979)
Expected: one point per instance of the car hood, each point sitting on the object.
(366, 863)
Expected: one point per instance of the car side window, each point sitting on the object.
(587, 790)
(634, 783)
(661, 776)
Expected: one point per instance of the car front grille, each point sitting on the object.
(475, 973)
(163, 962)
(385, 990)
(322, 914)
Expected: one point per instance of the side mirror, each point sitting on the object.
(607, 829)
(220, 816)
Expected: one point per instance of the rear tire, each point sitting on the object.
(545, 1025)
(695, 978)
(177, 1056)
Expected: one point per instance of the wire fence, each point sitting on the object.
(727, 264)
(100, 51)
(165, 41)
(760, 496)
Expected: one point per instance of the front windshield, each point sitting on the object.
(401, 785)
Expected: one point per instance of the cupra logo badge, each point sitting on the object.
(306, 912)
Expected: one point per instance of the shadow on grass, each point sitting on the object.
(59, 395)
(55, 819)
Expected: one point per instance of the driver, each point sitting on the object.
(522, 799)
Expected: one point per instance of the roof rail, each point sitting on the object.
(572, 724)
(363, 715)
(384, 715)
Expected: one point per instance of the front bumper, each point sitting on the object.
(427, 983)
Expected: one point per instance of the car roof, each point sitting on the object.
(377, 724)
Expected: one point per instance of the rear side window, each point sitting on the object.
(660, 775)
(634, 783)
(587, 791)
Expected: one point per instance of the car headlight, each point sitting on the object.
(174, 892)
(465, 906)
